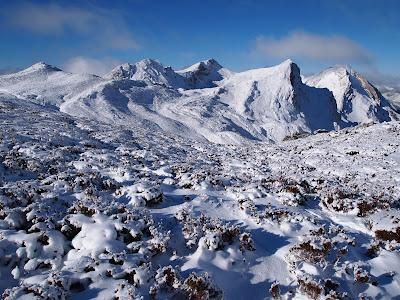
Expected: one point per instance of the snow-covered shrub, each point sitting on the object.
(142, 194)
(167, 281)
(126, 291)
(321, 248)
(212, 233)
(15, 218)
(310, 288)
(277, 214)
(246, 242)
(288, 191)
(360, 275)
(312, 251)
(158, 242)
(43, 250)
(18, 195)
(56, 286)
(248, 207)
(373, 249)
(330, 289)
(200, 287)
(169, 284)
(275, 291)
(354, 199)
(388, 235)
(340, 200)
(92, 182)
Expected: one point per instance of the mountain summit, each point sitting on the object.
(41, 66)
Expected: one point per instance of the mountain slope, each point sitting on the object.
(128, 103)
(358, 101)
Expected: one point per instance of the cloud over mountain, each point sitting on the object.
(80, 64)
(300, 44)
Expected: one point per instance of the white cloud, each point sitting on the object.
(299, 44)
(105, 27)
(87, 65)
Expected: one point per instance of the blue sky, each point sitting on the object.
(99, 34)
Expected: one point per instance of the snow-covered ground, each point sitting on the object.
(103, 210)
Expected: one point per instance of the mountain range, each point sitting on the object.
(207, 101)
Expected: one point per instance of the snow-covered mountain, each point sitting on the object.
(262, 104)
(46, 84)
(207, 101)
(358, 101)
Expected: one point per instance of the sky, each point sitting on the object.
(95, 35)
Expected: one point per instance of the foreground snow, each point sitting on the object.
(90, 210)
